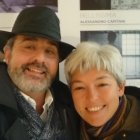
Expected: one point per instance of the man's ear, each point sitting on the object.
(7, 53)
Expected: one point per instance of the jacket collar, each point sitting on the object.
(132, 120)
(16, 131)
(7, 89)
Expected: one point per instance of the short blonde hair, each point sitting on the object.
(89, 55)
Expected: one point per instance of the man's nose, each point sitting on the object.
(40, 56)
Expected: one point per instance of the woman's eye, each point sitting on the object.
(78, 88)
(102, 85)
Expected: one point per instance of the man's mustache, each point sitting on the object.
(35, 64)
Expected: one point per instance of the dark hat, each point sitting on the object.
(39, 21)
(3, 39)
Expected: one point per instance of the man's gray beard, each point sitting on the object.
(29, 85)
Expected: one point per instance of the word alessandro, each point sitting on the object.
(109, 21)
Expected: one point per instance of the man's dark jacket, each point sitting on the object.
(10, 124)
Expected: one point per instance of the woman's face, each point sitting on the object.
(95, 95)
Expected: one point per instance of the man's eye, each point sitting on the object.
(29, 47)
(49, 52)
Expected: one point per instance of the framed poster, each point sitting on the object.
(94, 20)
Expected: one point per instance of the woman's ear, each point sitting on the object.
(121, 89)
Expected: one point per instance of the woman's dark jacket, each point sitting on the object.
(10, 124)
(130, 129)
(131, 126)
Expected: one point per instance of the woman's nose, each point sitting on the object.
(92, 94)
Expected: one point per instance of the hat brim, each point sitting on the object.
(4, 36)
(64, 48)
